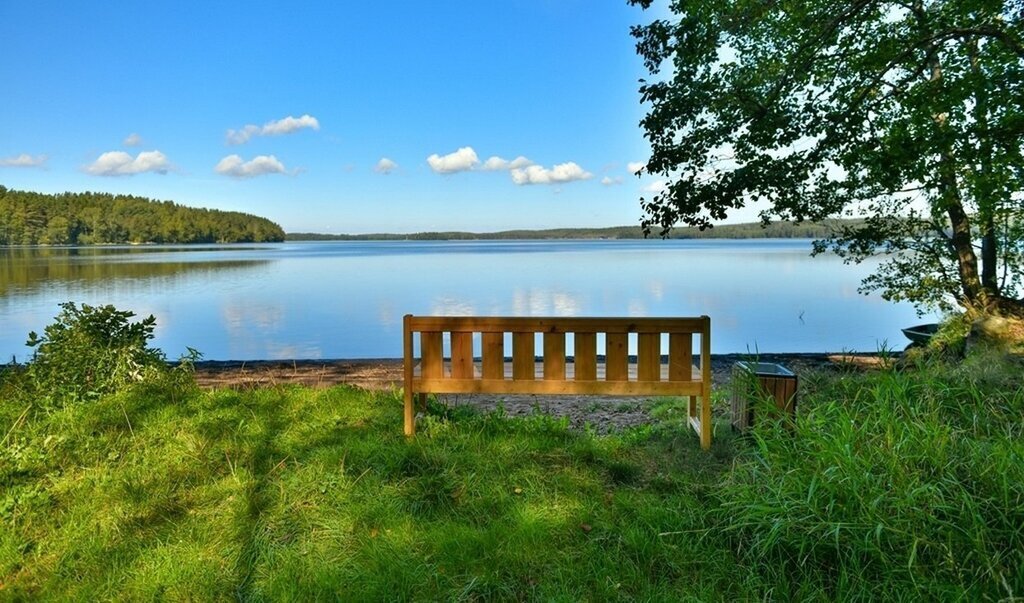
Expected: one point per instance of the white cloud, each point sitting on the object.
(132, 140)
(23, 160)
(286, 125)
(496, 163)
(236, 167)
(385, 166)
(290, 124)
(460, 161)
(656, 187)
(636, 166)
(119, 163)
(607, 181)
(563, 172)
(242, 136)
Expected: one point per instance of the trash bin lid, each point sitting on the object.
(768, 369)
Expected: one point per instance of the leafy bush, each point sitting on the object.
(91, 351)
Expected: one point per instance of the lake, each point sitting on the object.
(346, 299)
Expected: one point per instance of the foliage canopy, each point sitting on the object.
(908, 113)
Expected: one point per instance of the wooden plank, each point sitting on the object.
(410, 410)
(556, 324)
(554, 356)
(585, 356)
(609, 388)
(782, 390)
(493, 355)
(616, 357)
(695, 424)
(523, 357)
(462, 355)
(680, 356)
(432, 362)
(705, 398)
(705, 350)
(648, 357)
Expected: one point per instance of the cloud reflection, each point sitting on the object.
(657, 290)
(447, 306)
(244, 317)
(543, 302)
(566, 304)
(284, 351)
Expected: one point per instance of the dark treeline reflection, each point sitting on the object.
(26, 269)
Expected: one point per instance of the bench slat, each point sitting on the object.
(493, 355)
(559, 324)
(462, 355)
(554, 356)
(607, 388)
(680, 356)
(585, 356)
(432, 362)
(616, 357)
(648, 358)
(523, 368)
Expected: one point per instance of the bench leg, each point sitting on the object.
(700, 417)
(705, 419)
(422, 402)
(410, 414)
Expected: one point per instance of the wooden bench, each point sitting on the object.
(461, 373)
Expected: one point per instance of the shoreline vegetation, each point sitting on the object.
(29, 219)
(747, 230)
(89, 218)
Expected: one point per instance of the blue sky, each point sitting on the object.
(336, 116)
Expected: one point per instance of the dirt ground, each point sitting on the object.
(604, 413)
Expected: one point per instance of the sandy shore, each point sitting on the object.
(386, 373)
(605, 413)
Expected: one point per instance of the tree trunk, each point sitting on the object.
(948, 188)
(989, 257)
(984, 191)
(967, 261)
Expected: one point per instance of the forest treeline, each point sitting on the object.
(28, 218)
(752, 230)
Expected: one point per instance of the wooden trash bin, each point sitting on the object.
(753, 384)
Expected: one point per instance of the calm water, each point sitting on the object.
(346, 299)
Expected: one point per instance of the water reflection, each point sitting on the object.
(346, 299)
(566, 304)
(544, 302)
(24, 270)
(452, 307)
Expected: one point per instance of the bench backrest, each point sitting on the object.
(652, 374)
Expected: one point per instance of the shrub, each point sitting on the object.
(91, 351)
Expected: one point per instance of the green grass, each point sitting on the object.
(894, 485)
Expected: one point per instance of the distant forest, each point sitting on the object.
(28, 218)
(752, 230)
